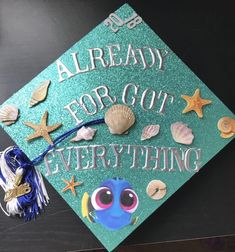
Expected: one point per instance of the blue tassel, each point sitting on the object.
(31, 204)
(14, 163)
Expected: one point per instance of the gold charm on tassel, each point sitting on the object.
(17, 192)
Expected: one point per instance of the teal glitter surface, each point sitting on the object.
(176, 78)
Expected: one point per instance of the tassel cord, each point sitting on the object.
(13, 161)
(62, 137)
(4, 211)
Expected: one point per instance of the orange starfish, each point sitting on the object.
(71, 185)
(42, 130)
(195, 103)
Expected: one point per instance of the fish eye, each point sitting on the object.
(102, 198)
(129, 200)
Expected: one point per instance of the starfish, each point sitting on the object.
(195, 103)
(42, 130)
(70, 185)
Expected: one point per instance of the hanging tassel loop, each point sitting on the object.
(62, 137)
(4, 211)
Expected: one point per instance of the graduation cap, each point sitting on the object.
(117, 125)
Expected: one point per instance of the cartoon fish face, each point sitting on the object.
(114, 202)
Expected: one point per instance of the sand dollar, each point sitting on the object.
(156, 189)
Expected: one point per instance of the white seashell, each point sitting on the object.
(150, 131)
(85, 133)
(119, 119)
(9, 114)
(40, 93)
(181, 133)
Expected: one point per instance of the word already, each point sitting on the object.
(100, 98)
(111, 56)
(115, 22)
(79, 158)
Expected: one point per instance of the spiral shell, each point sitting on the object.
(181, 133)
(150, 131)
(85, 133)
(40, 93)
(119, 119)
(9, 114)
(227, 127)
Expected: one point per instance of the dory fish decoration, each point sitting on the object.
(111, 204)
(40, 93)
(85, 133)
(226, 126)
(149, 131)
(181, 133)
(119, 119)
(9, 114)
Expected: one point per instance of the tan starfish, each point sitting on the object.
(42, 130)
(70, 185)
(195, 103)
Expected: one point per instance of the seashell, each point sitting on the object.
(40, 93)
(226, 125)
(150, 131)
(85, 133)
(119, 118)
(227, 135)
(156, 189)
(181, 133)
(9, 114)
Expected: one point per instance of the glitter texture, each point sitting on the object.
(176, 78)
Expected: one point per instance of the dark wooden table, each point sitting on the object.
(33, 33)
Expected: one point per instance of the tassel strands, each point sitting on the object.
(25, 192)
(16, 171)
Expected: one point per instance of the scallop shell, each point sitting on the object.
(9, 114)
(85, 133)
(119, 119)
(181, 133)
(40, 93)
(226, 125)
(150, 131)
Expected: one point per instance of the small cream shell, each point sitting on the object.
(9, 114)
(40, 93)
(226, 125)
(181, 133)
(156, 189)
(119, 119)
(85, 133)
(227, 135)
(150, 131)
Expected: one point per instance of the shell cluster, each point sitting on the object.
(9, 114)
(85, 133)
(226, 125)
(150, 131)
(119, 119)
(40, 93)
(181, 133)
